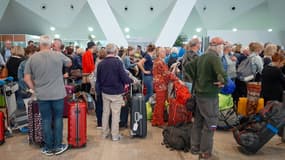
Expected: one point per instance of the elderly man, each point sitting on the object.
(111, 79)
(6, 51)
(209, 77)
(193, 47)
(43, 75)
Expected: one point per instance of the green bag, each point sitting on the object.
(148, 111)
(225, 101)
(2, 101)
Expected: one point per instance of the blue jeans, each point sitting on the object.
(149, 86)
(51, 114)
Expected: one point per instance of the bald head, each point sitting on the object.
(217, 44)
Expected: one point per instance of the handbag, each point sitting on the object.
(191, 103)
(76, 73)
(3, 72)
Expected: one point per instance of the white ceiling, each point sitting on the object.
(27, 17)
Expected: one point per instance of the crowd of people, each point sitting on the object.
(105, 71)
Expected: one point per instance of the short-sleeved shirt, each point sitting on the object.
(148, 64)
(46, 71)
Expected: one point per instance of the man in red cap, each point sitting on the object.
(208, 76)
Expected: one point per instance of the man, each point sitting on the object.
(193, 47)
(6, 51)
(88, 67)
(229, 61)
(57, 46)
(111, 79)
(31, 43)
(209, 77)
(43, 75)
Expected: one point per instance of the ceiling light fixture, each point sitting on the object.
(195, 36)
(52, 28)
(128, 36)
(198, 29)
(90, 29)
(56, 36)
(270, 30)
(127, 30)
(93, 36)
(235, 29)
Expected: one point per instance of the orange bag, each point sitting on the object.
(182, 93)
(4, 73)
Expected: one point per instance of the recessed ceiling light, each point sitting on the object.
(52, 28)
(270, 30)
(195, 36)
(56, 36)
(198, 29)
(127, 30)
(93, 36)
(128, 36)
(235, 29)
(90, 29)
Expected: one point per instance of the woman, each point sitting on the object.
(98, 100)
(161, 78)
(17, 56)
(29, 51)
(146, 64)
(129, 64)
(273, 79)
(268, 53)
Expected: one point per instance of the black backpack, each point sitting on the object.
(177, 137)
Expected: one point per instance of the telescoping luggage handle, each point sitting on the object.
(140, 83)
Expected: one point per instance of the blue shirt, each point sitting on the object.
(7, 54)
(148, 64)
(224, 62)
(127, 63)
(181, 52)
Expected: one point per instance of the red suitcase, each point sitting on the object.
(2, 128)
(178, 113)
(77, 127)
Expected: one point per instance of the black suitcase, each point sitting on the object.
(138, 121)
(35, 124)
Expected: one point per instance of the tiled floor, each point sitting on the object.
(150, 148)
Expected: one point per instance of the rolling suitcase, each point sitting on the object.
(138, 122)
(77, 127)
(2, 128)
(35, 124)
(70, 89)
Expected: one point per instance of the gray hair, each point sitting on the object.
(57, 39)
(193, 42)
(111, 48)
(45, 40)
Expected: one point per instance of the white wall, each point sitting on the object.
(245, 37)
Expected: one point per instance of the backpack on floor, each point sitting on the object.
(177, 137)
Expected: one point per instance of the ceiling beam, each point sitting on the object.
(175, 22)
(107, 22)
(3, 6)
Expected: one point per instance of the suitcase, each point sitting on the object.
(2, 128)
(178, 113)
(77, 127)
(35, 124)
(138, 122)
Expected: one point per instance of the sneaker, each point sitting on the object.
(47, 152)
(106, 136)
(61, 149)
(205, 156)
(117, 138)
(195, 151)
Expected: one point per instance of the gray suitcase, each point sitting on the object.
(138, 121)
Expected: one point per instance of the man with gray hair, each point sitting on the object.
(43, 75)
(192, 49)
(111, 79)
(209, 78)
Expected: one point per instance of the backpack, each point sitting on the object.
(177, 137)
(171, 61)
(245, 71)
(229, 88)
